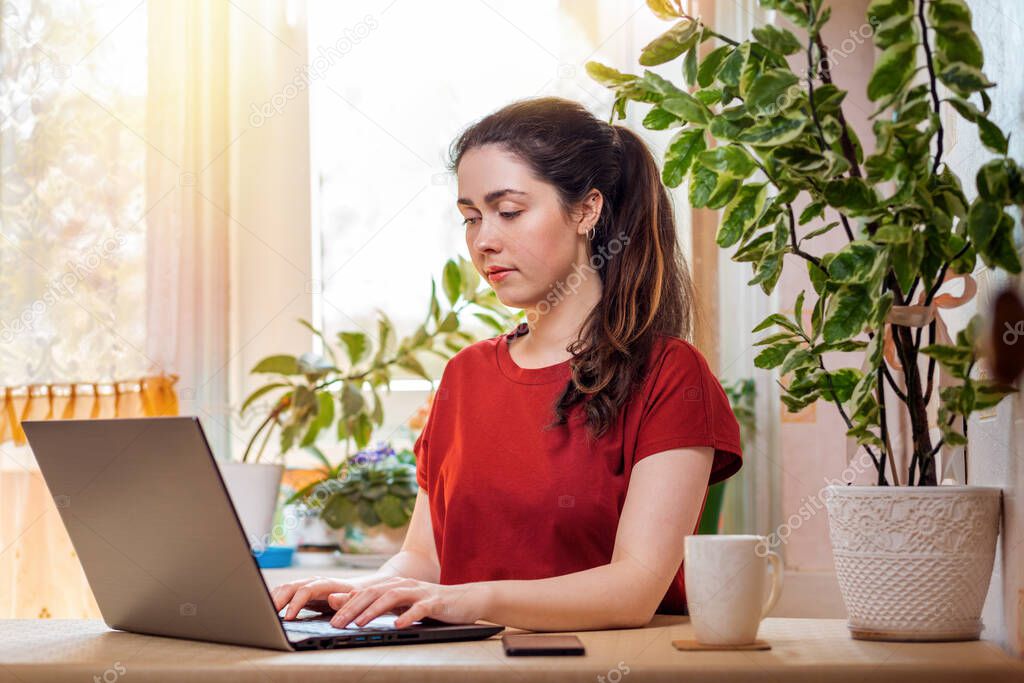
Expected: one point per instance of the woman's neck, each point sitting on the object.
(549, 335)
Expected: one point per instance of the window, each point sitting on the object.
(391, 85)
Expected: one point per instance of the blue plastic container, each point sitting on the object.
(274, 556)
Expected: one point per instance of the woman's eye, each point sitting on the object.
(510, 214)
(469, 221)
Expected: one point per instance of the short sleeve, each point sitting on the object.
(420, 448)
(686, 407)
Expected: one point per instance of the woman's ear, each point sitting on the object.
(589, 211)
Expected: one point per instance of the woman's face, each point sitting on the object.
(514, 220)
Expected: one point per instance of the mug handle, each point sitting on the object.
(776, 591)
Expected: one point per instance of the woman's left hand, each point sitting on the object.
(414, 600)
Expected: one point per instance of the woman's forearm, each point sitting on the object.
(616, 595)
(405, 563)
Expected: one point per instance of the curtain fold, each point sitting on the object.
(113, 247)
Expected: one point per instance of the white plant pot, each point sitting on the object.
(253, 488)
(913, 562)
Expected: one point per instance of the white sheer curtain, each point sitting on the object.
(113, 256)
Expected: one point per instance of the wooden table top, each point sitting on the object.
(801, 650)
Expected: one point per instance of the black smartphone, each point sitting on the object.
(527, 644)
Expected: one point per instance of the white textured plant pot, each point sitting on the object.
(253, 488)
(913, 562)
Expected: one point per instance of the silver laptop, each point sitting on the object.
(163, 549)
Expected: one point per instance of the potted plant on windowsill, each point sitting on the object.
(318, 396)
(913, 558)
(367, 500)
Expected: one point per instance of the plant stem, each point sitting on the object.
(811, 71)
(844, 136)
(884, 432)
(842, 412)
(932, 85)
(252, 439)
(795, 247)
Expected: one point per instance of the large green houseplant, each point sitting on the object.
(762, 134)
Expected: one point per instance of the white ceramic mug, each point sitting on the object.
(726, 577)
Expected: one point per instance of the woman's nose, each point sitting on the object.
(488, 236)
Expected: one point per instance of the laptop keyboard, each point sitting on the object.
(322, 626)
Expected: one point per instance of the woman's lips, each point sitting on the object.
(499, 275)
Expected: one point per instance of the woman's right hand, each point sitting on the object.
(312, 593)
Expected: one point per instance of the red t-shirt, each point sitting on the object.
(511, 501)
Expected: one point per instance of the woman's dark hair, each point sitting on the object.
(646, 286)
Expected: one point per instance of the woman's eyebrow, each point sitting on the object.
(490, 196)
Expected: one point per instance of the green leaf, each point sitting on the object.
(839, 384)
(356, 345)
(724, 191)
(282, 364)
(325, 408)
(470, 278)
(991, 136)
(777, 319)
(774, 131)
(709, 65)
(680, 154)
(880, 10)
(964, 79)
(260, 392)
(812, 211)
(993, 182)
(798, 358)
(389, 509)
(945, 11)
(957, 42)
(848, 310)
(669, 45)
(895, 29)
(352, 400)
(688, 108)
(702, 183)
(982, 220)
(607, 76)
(452, 281)
(730, 160)
(690, 66)
(854, 262)
(892, 71)
(659, 119)
(362, 430)
(668, 10)
(732, 66)
(774, 355)
(852, 194)
(771, 93)
(412, 364)
(338, 512)
(777, 39)
(449, 323)
(741, 212)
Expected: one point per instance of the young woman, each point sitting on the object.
(562, 463)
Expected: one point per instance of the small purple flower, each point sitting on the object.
(374, 454)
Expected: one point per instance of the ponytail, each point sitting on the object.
(646, 286)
